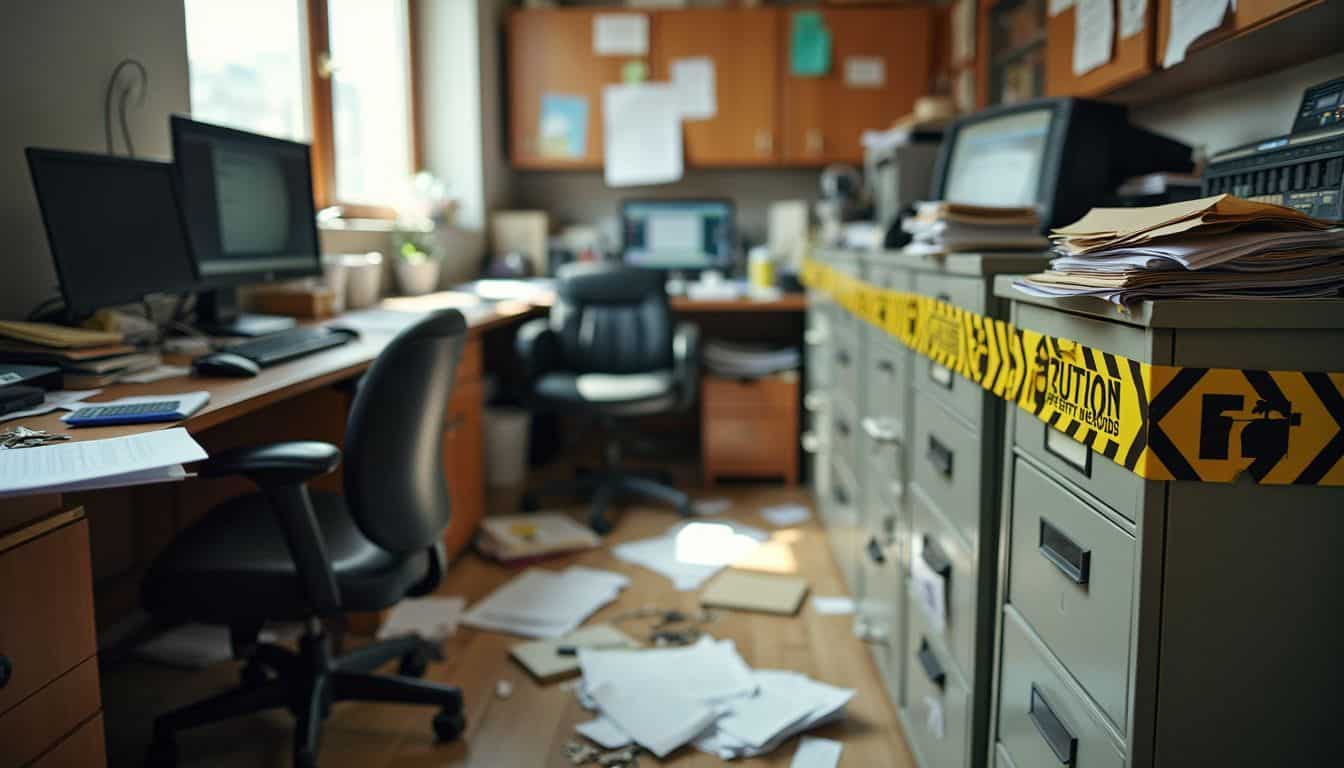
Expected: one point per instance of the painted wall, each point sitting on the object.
(57, 58)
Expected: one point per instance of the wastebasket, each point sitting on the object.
(505, 446)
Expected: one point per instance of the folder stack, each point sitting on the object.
(1214, 247)
(943, 227)
(87, 358)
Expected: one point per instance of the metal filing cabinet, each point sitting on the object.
(844, 354)
(817, 391)
(1149, 623)
(954, 441)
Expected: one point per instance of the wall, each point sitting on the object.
(57, 57)
(1242, 112)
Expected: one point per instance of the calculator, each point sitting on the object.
(129, 413)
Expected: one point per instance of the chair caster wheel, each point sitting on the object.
(162, 754)
(600, 525)
(305, 760)
(529, 503)
(414, 664)
(449, 725)
(253, 675)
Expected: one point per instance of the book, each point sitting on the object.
(60, 336)
(24, 352)
(555, 659)
(744, 591)
(510, 538)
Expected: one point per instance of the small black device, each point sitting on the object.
(678, 235)
(280, 347)
(248, 204)
(225, 364)
(1062, 155)
(17, 397)
(40, 376)
(114, 227)
(1303, 170)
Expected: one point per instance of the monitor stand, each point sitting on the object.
(217, 314)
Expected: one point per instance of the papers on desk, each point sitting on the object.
(542, 603)
(150, 457)
(749, 361)
(690, 553)
(705, 693)
(53, 401)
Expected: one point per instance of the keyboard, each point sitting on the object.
(287, 345)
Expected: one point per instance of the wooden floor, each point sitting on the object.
(531, 727)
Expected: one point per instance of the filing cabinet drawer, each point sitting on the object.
(964, 397)
(46, 717)
(1108, 481)
(887, 384)
(936, 694)
(46, 609)
(1042, 719)
(945, 463)
(843, 526)
(942, 552)
(845, 362)
(1001, 758)
(881, 604)
(844, 430)
(1072, 578)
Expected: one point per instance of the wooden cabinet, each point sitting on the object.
(1131, 58)
(824, 117)
(1247, 15)
(748, 428)
(743, 43)
(463, 446)
(550, 51)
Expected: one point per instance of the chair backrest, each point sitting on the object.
(393, 455)
(612, 319)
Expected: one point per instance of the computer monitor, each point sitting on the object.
(114, 227)
(248, 203)
(678, 235)
(1062, 155)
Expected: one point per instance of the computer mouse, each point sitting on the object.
(347, 330)
(225, 364)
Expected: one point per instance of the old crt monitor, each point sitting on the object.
(248, 202)
(678, 235)
(1063, 155)
(114, 228)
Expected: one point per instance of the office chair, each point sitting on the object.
(609, 351)
(286, 554)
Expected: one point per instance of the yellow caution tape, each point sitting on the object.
(1161, 422)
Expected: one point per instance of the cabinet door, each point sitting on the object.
(743, 44)
(464, 464)
(551, 52)
(1246, 15)
(1131, 58)
(824, 117)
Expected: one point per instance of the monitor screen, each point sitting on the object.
(998, 161)
(677, 234)
(114, 228)
(248, 201)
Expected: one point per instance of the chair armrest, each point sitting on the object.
(686, 363)
(538, 349)
(276, 464)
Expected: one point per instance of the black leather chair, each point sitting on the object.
(609, 350)
(286, 554)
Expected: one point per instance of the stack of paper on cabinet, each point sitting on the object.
(943, 227)
(1219, 246)
(703, 693)
(542, 603)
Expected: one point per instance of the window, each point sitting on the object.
(336, 73)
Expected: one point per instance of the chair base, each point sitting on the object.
(605, 487)
(308, 683)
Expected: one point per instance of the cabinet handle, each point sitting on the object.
(875, 552)
(932, 669)
(842, 427)
(1061, 742)
(815, 141)
(842, 357)
(886, 366)
(6, 670)
(814, 401)
(933, 556)
(1064, 552)
(880, 430)
(814, 337)
(811, 443)
(765, 142)
(840, 496)
(940, 456)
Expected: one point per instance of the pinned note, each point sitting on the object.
(1093, 35)
(1059, 6)
(621, 34)
(643, 134)
(865, 71)
(930, 590)
(1189, 20)
(563, 125)
(1133, 17)
(809, 45)
(934, 722)
(693, 79)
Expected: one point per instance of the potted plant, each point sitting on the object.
(417, 265)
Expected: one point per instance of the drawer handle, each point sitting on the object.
(1062, 743)
(886, 366)
(842, 357)
(881, 430)
(840, 496)
(934, 557)
(842, 427)
(6, 670)
(811, 443)
(814, 337)
(932, 668)
(875, 552)
(1064, 552)
(940, 456)
(814, 401)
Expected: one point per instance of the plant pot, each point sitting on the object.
(418, 277)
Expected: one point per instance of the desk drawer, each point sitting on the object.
(1072, 578)
(46, 609)
(936, 550)
(772, 395)
(937, 702)
(962, 396)
(1042, 719)
(83, 748)
(945, 463)
(46, 717)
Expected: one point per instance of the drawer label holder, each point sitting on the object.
(1160, 422)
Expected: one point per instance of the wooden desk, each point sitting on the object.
(786, 302)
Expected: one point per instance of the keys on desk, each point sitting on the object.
(23, 437)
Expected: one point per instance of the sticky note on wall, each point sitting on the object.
(809, 45)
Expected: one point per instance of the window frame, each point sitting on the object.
(322, 128)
